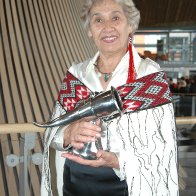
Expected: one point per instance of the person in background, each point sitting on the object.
(192, 88)
(139, 155)
(172, 86)
(182, 86)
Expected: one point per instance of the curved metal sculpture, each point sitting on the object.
(105, 105)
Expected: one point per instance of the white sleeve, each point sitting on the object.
(58, 140)
(55, 136)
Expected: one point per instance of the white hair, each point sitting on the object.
(131, 12)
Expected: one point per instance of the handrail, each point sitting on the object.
(29, 127)
(19, 128)
(188, 120)
(188, 94)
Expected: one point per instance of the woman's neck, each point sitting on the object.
(108, 63)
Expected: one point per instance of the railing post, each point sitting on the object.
(27, 143)
(193, 106)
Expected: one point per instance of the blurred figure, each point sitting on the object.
(182, 86)
(172, 86)
(192, 88)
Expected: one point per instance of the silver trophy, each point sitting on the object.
(104, 106)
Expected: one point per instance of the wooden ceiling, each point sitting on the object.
(167, 13)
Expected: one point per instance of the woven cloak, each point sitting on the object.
(144, 93)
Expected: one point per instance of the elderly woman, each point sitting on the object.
(139, 153)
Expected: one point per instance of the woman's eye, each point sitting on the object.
(115, 18)
(98, 20)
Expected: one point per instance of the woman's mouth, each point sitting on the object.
(109, 39)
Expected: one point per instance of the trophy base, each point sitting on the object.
(85, 152)
(89, 156)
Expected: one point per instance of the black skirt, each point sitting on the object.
(81, 180)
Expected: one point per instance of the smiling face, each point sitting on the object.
(109, 27)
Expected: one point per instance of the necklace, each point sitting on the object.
(106, 76)
(131, 70)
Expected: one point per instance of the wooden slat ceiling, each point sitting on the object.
(167, 13)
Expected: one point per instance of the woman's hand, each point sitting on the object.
(81, 132)
(105, 159)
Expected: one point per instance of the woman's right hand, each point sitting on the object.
(80, 132)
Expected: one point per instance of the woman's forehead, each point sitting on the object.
(106, 6)
(104, 3)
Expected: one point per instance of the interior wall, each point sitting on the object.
(39, 39)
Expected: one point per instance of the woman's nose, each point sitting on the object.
(108, 26)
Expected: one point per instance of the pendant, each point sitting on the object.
(106, 77)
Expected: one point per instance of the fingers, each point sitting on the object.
(98, 122)
(88, 129)
(109, 158)
(100, 154)
(105, 159)
(85, 132)
(80, 160)
(81, 132)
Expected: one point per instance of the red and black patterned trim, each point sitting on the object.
(146, 92)
(72, 91)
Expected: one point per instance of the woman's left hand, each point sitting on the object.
(104, 158)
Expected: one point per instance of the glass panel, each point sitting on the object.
(153, 46)
(185, 105)
(179, 47)
(173, 46)
(193, 46)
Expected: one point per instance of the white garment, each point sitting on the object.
(144, 141)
